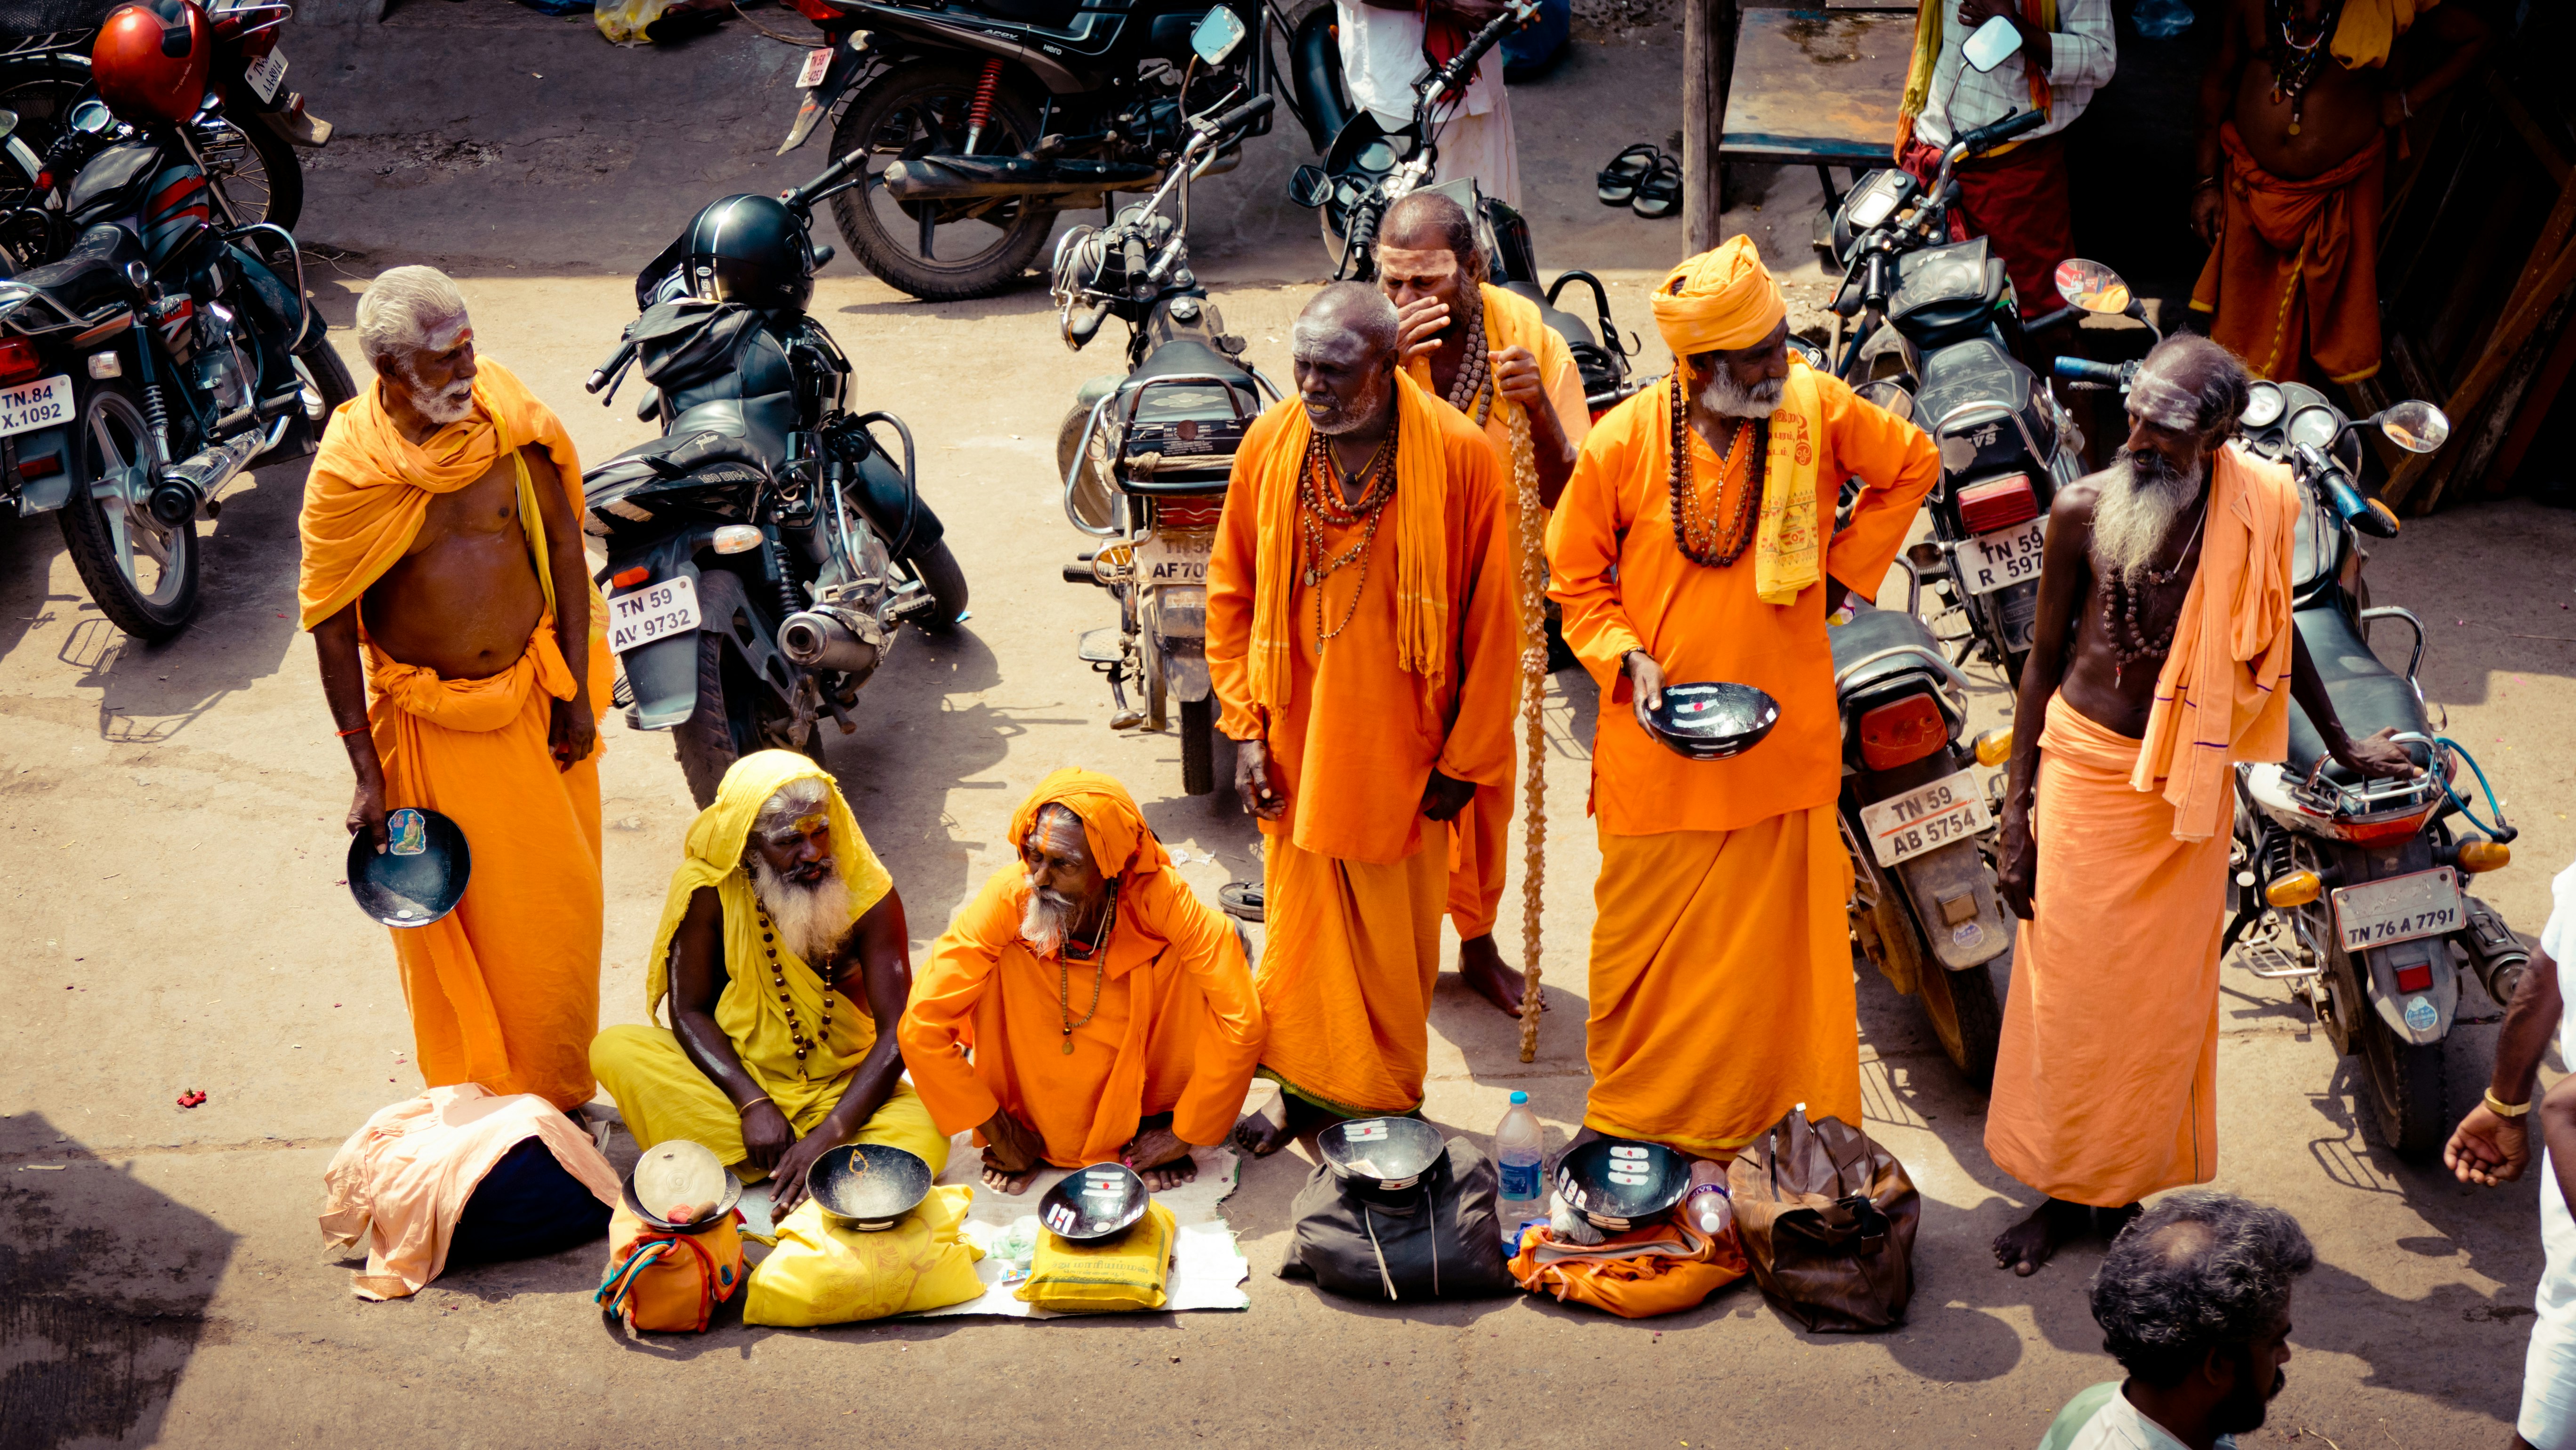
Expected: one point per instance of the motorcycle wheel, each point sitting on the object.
(326, 384)
(141, 572)
(2405, 1087)
(732, 720)
(1967, 1016)
(921, 111)
(939, 574)
(258, 172)
(1198, 746)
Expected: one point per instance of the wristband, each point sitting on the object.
(741, 1108)
(354, 730)
(2503, 1109)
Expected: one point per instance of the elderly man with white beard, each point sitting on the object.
(783, 953)
(2164, 636)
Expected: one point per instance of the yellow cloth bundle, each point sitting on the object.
(1128, 1273)
(820, 1274)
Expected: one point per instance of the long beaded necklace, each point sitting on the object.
(1694, 530)
(1467, 391)
(1099, 970)
(1317, 489)
(2129, 643)
(2295, 60)
(778, 979)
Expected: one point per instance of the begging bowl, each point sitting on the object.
(867, 1186)
(1094, 1203)
(1617, 1184)
(1712, 719)
(1381, 1155)
(418, 877)
(678, 1173)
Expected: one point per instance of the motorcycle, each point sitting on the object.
(766, 550)
(1146, 456)
(986, 118)
(152, 365)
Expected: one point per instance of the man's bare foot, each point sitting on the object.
(1262, 1131)
(1170, 1175)
(1006, 1181)
(1158, 1156)
(1481, 963)
(2033, 1241)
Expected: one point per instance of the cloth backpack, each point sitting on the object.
(1440, 1239)
(662, 1279)
(1827, 1218)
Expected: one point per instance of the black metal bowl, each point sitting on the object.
(1712, 719)
(1618, 1184)
(680, 1171)
(1094, 1203)
(421, 874)
(868, 1186)
(1381, 1155)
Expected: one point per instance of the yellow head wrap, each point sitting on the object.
(1720, 300)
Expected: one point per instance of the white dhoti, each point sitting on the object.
(1482, 147)
(2548, 1418)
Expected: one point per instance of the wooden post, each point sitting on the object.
(1708, 59)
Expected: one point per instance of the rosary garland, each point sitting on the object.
(1467, 391)
(1695, 532)
(1318, 487)
(2120, 607)
(778, 979)
(1533, 722)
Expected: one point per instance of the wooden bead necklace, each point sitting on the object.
(2129, 643)
(1318, 489)
(1467, 391)
(1694, 530)
(778, 980)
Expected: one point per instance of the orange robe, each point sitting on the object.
(1482, 831)
(1721, 989)
(503, 991)
(1355, 874)
(1176, 1029)
(2295, 274)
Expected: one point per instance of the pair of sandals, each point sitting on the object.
(1643, 179)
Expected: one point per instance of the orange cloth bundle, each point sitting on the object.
(1662, 1268)
(663, 1280)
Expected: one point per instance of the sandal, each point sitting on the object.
(1616, 183)
(1659, 193)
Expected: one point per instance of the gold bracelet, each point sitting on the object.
(2503, 1109)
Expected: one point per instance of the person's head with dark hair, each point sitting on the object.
(2183, 404)
(2194, 1302)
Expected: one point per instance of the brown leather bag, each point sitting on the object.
(1828, 1220)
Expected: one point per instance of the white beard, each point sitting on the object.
(2135, 511)
(811, 920)
(451, 404)
(1727, 398)
(1047, 920)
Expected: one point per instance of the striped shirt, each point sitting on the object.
(2082, 53)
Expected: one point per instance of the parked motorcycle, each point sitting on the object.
(147, 369)
(985, 118)
(1146, 456)
(766, 550)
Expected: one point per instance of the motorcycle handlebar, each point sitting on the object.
(1985, 138)
(2085, 370)
(600, 376)
(1250, 111)
(802, 198)
(1453, 75)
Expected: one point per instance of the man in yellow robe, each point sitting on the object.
(1363, 641)
(464, 656)
(1487, 352)
(1721, 955)
(1148, 1063)
(779, 924)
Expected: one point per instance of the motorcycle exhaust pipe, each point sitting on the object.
(188, 485)
(2495, 953)
(941, 178)
(822, 639)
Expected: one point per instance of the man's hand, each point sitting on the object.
(367, 809)
(1443, 798)
(572, 732)
(2208, 213)
(1516, 378)
(766, 1136)
(2488, 1149)
(787, 1179)
(1646, 685)
(1973, 13)
(1418, 325)
(2016, 862)
(1009, 1144)
(2377, 757)
(1252, 781)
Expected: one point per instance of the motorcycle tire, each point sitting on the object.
(1198, 746)
(919, 110)
(727, 724)
(275, 192)
(1968, 1016)
(946, 583)
(113, 544)
(2406, 1088)
(327, 384)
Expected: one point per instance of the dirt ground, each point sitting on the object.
(170, 842)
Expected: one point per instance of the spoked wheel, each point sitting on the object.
(937, 250)
(257, 170)
(141, 571)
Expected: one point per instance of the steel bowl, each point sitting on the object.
(1618, 1184)
(867, 1186)
(1381, 1156)
(1091, 1204)
(1713, 719)
(677, 1172)
(421, 874)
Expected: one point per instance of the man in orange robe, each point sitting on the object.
(1147, 1064)
(1505, 368)
(442, 538)
(2106, 1077)
(1721, 953)
(1363, 640)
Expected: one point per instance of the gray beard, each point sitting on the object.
(451, 404)
(2140, 498)
(1047, 920)
(811, 920)
(1727, 398)
(1339, 420)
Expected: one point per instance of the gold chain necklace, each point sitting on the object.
(778, 980)
(1318, 490)
(1099, 970)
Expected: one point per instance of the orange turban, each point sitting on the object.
(1121, 844)
(1720, 300)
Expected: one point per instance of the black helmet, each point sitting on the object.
(751, 250)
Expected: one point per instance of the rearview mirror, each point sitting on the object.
(1889, 394)
(2414, 426)
(8, 122)
(1994, 42)
(1218, 33)
(1309, 187)
(2093, 287)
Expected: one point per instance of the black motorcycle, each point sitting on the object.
(765, 551)
(983, 119)
(151, 366)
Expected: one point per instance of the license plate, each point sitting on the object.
(2402, 908)
(44, 403)
(656, 611)
(266, 74)
(816, 62)
(2007, 556)
(1925, 818)
(1173, 558)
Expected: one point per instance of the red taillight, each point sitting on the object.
(2417, 978)
(1998, 503)
(624, 577)
(18, 361)
(1908, 730)
(1188, 517)
(2386, 832)
(45, 466)
(819, 11)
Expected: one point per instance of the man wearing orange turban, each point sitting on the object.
(442, 539)
(1364, 640)
(1692, 545)
(1086, 1005)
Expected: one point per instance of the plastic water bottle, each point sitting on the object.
(2161, 19)
(1518, 1143)
(1710, 1209)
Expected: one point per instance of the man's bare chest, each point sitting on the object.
(484, 511)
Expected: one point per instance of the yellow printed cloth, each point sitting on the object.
(820, 1274)
(1127, 1273)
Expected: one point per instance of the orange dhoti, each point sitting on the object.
(1349, 953)
(1722, 983)
(2295, 274)
(2106, 1081)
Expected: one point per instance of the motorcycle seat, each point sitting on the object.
(758, 424)
(1874, 630)
(2368, 696)
(1184, 356)
(92, 273)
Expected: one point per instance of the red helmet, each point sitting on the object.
(151, 61)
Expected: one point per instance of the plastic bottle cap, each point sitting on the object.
(1520, 1097)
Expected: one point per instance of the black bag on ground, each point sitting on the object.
(1437, 1240)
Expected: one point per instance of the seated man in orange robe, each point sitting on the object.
(1371, 689)
(1721, 952)
(1149, 1062)
(442, 538)
(1500, 364)
(2106, 1079)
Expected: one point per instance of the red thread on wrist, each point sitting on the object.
(353, 730)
